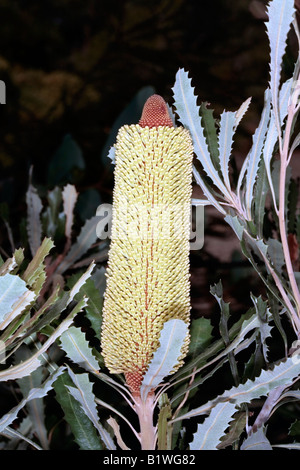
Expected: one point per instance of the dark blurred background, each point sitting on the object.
(75, 70)
(72, 66)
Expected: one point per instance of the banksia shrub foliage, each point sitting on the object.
(148, 267)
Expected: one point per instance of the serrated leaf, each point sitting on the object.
(225, 141)
(236, 427)
(80, 282)
(35, 274)
(281, 15)
(236, 225)
(76, 347)
(217, 292)
(260, 195)
(281, 374)
(166, 356)
(188, 112)
(83, 393)
(210, 133)
(241, 111)
(34, 393)
(27, 367)
(236, 333)
(93, 309)
(85, 434)
(209, 433)
(263, 317)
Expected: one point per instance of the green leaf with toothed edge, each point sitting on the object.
(85, 434)
(225, 141)
(83, 393)
(210, 133)
(259, 199)
(188, 112)
(75, 345)
(254, 156)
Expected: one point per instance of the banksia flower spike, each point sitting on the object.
(148, 266)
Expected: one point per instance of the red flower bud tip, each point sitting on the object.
(155, 113)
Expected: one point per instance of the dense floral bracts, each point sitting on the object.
(148, 267)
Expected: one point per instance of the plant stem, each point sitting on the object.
(281, 212)
(144, 409)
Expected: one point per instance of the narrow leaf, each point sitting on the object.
(34, 226)
(210, 133)
(281, 374)
(75, 345)
(85, 434)
(35, 407)
(199, 180)
(272, 134)
(241, 111)
(34, 393)
(35, 275)
(81, 281)
(188, 112)
(227, 129)
(84, 395)
(281, 15)
(27, 367)
(209, 433)
(255, 153)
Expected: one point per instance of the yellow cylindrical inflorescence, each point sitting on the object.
(148, 266)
